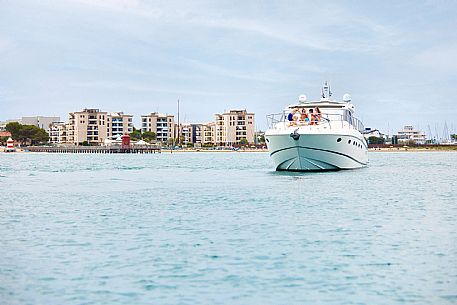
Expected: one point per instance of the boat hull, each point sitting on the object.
(297, 151)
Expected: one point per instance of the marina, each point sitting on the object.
(95, 149)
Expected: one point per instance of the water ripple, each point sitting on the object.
(223, 228)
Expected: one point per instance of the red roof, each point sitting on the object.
(5, 134)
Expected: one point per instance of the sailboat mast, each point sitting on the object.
(179, 127)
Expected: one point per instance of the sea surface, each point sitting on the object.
(225, 228)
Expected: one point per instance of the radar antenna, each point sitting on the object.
(326, 93)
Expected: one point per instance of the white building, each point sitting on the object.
(119, 124)
(57, 132)
(370, 132)
(411, 135)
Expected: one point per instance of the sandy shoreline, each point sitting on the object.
(393, 150)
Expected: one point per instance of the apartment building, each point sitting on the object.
(184, 134)
(119, 124)
(208, 133)
(234, 126)
(89, 125)
(197, 134)
(163, 125)
(57, 132)
(409, 134)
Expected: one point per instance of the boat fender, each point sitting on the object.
(295, 135)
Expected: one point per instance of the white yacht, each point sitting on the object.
(331, 140)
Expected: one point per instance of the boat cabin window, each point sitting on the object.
(347, 116)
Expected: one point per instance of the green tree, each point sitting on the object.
(25, 133)
(454, 136)
(15, 129)
(375, 140)
(3, 140)
(136, 135)
(243, 141)
(38, 135)
(261, 139)
(149, 136)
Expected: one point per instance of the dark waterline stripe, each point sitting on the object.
(319, 149)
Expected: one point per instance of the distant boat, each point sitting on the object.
(330, 140)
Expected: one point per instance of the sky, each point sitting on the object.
(397, 59)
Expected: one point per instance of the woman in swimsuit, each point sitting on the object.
(304, 116)
(318, 114)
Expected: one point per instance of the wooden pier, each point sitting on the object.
(95, 149)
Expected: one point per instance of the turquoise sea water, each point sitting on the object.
(224, 228)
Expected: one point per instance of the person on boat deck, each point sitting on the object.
(304, 116)
(312, 117)
(318, 114)
(297, 116)
(291, 117)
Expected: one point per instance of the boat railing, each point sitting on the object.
(279, 120)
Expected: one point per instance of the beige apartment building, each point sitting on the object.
(163, 125)
(196, 134)
(208, 133)
(183, 134)
(119, 124)
(89, 125)
(233, 126)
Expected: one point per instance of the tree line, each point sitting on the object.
(27, 133)
(147, 136)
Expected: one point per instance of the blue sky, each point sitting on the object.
(398, 59)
